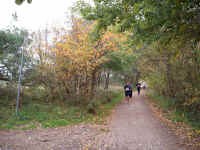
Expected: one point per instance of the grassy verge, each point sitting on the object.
(184, 124)
(173, 113)
(35, 114)
(105, 109)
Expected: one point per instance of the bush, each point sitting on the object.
(93, 106)
(7, 96)
(177, 112)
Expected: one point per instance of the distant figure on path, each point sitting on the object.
(128, 91)
(138, 85)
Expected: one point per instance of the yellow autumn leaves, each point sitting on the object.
(74, 62)
(78, 55)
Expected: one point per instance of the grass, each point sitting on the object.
(105, 109)
(175, 114)
(35, 114)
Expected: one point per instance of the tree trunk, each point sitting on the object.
(93, 83)
(137, 76)
(99, 79)
(107, 80)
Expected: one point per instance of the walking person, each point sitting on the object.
(138, 86)
(128, 91)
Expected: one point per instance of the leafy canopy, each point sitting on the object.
(147, 20)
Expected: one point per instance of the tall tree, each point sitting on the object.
(10, 43)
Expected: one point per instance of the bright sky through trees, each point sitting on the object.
(37, 14)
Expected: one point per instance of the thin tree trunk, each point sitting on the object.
(107, 80)
(93, 83)
(99, 79)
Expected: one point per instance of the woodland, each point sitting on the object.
(109, 43)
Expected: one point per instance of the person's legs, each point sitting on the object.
(128, 99)
(130, 95)
(138, 91)
(126, 96)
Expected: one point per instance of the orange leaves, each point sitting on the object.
(110, 40)
(75, 52)
(74, 60)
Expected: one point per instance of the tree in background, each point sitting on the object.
(11, 42)
(69, 67)
(165, 35)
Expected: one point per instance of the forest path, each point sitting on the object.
(132, 126)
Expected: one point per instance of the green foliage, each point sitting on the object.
(55, 123)
(176, 114)
(10, 41)
(174, 73)
(35, 113)
(7, 94)
(119, 61)
(92, 106)
(10, 54)
(157, 82)
(103, 100)
(149, 20)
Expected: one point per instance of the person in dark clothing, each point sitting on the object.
(138, 86)
(128, 91)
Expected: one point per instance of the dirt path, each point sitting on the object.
(132, 127)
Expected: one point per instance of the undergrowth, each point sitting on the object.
(175, 113)
(37, 114)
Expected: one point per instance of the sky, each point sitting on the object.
(37, 15)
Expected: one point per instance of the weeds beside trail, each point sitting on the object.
(175, 114)
(35, 114)
(131, 126)
(184, 125)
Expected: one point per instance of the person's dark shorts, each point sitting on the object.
(128, 93)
